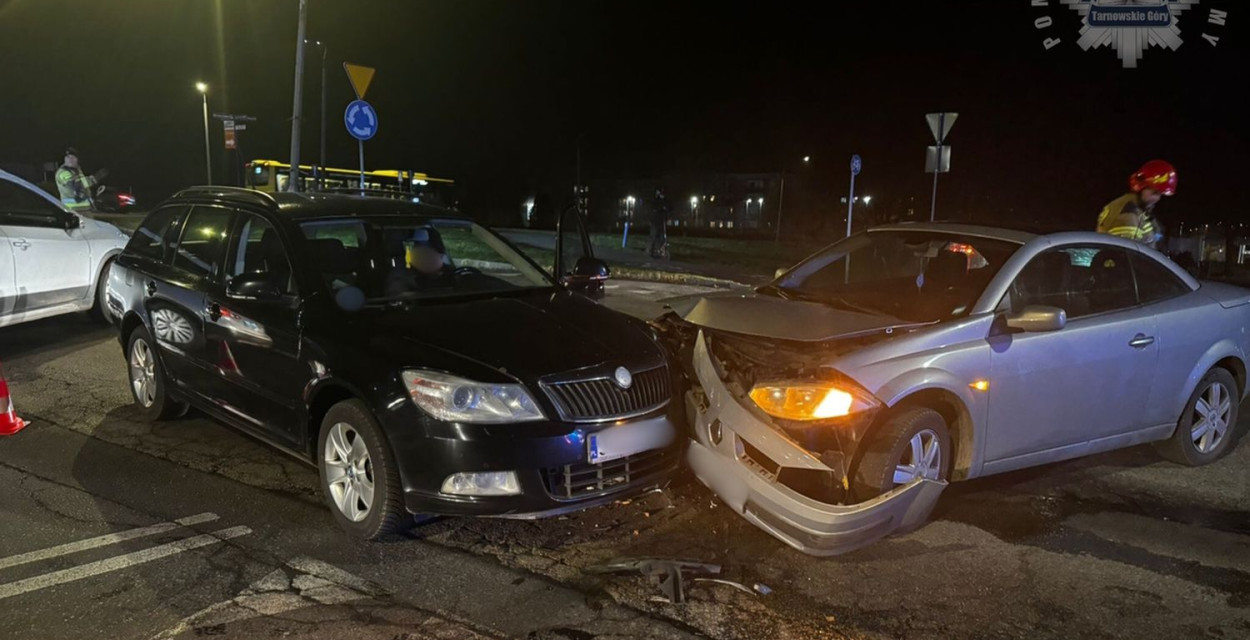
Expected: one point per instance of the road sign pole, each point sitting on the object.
(781, 200)
(933, 199)
(361, 143)
(856, 164)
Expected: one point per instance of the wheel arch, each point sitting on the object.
(1223, 355)
(941, 391)
(321, 396)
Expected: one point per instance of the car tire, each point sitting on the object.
(888, 457)
(354, 458)
(99, 309)
(148, 385)
(1195, 443)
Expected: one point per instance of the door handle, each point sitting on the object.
(1141, 340)
(214, 311)
(151, 287)
(21, 244)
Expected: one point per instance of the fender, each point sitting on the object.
(915, 381)
(1225, 348)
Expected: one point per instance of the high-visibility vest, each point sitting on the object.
(1125, 218)
(74, 188)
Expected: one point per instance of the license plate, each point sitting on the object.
(624, 440)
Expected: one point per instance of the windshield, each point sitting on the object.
(914, 276)
(405, 258)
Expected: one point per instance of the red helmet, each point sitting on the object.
(1156, 174)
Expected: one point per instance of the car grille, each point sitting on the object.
(585, 480)
(602, 399)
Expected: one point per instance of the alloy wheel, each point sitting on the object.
(349, 472)
(922, 458)
(143, 373)
(1210, 419)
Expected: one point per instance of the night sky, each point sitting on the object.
(496, 94)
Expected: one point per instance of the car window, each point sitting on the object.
(151, 239)
(201, 246)
(1154, 281)
(21, 207)
(258, 249)
(1081, 280)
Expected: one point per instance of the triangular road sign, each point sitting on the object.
(360, 78)
(940, 124)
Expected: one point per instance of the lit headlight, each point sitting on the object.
(453, 399)
(810, 400)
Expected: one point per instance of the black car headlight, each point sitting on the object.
(453, 399)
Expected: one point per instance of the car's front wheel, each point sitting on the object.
(358, 473)
(148, 385)
(99, 309)
(913, 443)
(1204, 431)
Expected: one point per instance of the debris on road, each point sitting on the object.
(663, 572)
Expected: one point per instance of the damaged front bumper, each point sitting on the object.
(741, 458)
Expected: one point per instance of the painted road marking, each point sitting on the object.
(118, 562)
(104, 540)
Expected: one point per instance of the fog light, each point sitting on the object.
(483, 483)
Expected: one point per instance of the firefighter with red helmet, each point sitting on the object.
(1132, 214)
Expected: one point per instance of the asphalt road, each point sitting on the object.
(112, 527)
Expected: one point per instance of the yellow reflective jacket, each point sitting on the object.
(1125, 218)
(74, 187)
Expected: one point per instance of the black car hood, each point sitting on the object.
(765, 316)
(526, 337)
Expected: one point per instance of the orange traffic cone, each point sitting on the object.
(9, 422)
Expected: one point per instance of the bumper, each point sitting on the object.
(731, 468)
(552, 470)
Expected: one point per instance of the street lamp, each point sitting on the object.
(208, 156)
(781, 198)
(867, 200)
(324, 48)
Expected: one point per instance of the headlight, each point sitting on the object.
(809, 400)
(453, 399)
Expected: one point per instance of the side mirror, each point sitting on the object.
(253, 286)
(72, 222)
(588, 277)
(1038, 318)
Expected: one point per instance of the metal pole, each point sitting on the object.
(323, 110)
(208, 155)
(937, 168)
(850, 207)
(361, 143)
(781, 200)
(297, 110)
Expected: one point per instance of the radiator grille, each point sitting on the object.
(603, 399)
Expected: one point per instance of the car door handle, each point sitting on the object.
(21, 244)
(151, 287)
(1141, 340)
(214, 311)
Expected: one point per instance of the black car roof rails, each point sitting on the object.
(257, 197)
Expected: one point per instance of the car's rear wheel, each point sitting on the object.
(1205, 430)
(358, 473)
(148, 385)
(99, 309)
(913, 443)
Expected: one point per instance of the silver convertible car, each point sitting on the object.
(832, 406)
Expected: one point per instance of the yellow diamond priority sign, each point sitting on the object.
(360, 78)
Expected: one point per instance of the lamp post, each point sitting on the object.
(781, 197)
(208, 155)
(324, 49)
(297, 111)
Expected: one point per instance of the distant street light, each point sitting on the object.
(208, 155)
(867, 200)
(807, 158)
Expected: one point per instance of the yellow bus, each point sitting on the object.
(271, 176)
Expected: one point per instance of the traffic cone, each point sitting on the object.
(9, 422)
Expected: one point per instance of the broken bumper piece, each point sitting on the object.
(742, 467)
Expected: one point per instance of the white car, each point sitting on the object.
(52, 260)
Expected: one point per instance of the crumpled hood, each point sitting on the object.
(528, 336)
(754, 314)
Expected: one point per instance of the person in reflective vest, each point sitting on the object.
(1132, 214)
(74, 186)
